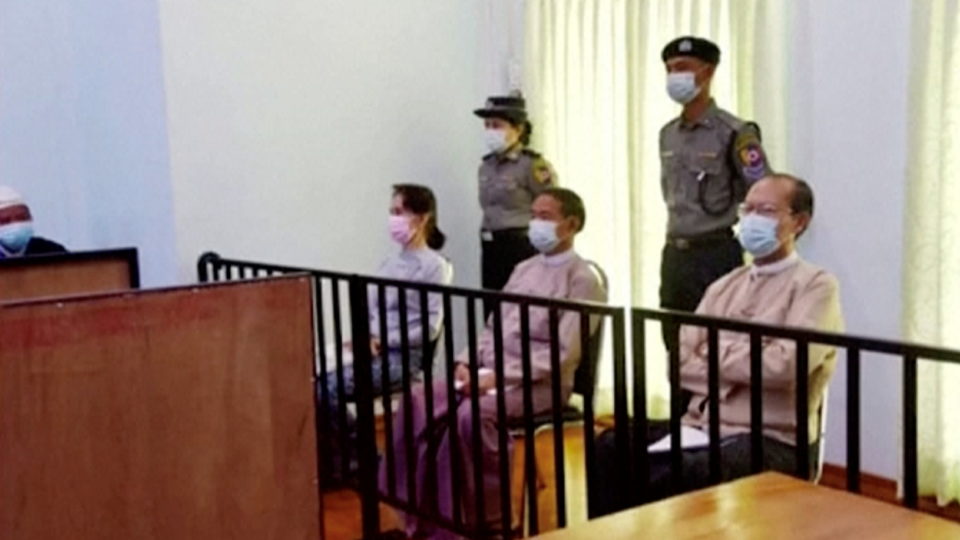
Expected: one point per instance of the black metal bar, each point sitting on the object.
(391, 455)
(853, 420)
(641, 456)
(530, 454)
(366, 431)
(408, 435)
(203, 268)
(503, 440)
(479, 503)
(802, 402)
(713, 395)
(589, 431)
(426, 368)
(676, 410)
(884, 346)
(910, 488)
(621, 416)
(341, 412)
(556, 397)
(756, 402)
(454, 447)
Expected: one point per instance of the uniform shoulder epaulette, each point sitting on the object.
(731, 121)
(670, 124)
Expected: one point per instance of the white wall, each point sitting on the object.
(82, 127)
(849, 138)
(289, 121)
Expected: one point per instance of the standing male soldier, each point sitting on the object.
(709, 158)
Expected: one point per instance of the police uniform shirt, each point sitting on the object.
(509, 183)
(706, 168)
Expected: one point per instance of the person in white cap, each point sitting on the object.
(16, 229)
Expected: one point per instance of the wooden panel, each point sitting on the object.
(65, 275)
(766, 506)
(184, 413)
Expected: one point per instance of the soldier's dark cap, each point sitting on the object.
(512, 108)
(692, 46)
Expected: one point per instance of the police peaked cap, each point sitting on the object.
(692, 46)
(511, 108)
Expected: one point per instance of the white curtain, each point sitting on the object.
(932, 256)
(595, 86)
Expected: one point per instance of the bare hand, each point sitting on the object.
(461, 374)
(375, 347)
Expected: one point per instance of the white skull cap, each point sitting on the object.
(9, 197)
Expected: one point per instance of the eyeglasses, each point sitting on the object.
(766, 210)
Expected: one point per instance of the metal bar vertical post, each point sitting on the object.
(530, 454)
(802, 402)
(713, 395)
(408, 435)
(756, 402)
(853, 420)
(641, 456)
(454, 446)
(506, 512)
(388, 418)
(479, 502)
(910, 485)
(676, 452)
(366, 431)
(621, 416)
(555, 386)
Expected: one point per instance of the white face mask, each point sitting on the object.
(543, 235)
(495, 139)
(682, 86)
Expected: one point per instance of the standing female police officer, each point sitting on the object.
(511, 177)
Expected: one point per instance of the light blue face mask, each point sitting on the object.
(758, 235)
(543, 235)
(14, 237)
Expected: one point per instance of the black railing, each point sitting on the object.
(910, 353)
(512, 424)
(631, 453)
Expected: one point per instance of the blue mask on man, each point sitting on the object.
(14, 237)
(758, 235)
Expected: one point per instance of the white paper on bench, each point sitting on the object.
(690, 437)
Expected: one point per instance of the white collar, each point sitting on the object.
(558, 259)
(775, 268)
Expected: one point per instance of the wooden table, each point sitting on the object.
(769, 505)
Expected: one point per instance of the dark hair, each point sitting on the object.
(802, 200)
(420, 200)
(526, 130)
(570, 204)
(801, 197)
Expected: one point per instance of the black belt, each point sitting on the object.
(492, 236)
(700, 240)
